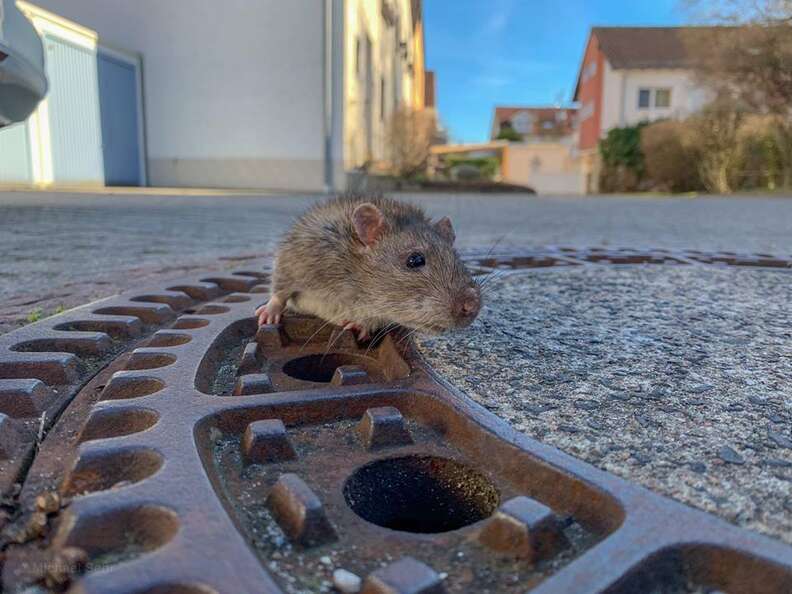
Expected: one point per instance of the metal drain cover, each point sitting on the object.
(164, 444)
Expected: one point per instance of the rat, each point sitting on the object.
(369, 263)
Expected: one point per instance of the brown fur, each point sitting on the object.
(323, 268)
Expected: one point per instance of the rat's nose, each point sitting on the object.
(467, 305)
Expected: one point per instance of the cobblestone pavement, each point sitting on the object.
(48, 240)
(676, 377)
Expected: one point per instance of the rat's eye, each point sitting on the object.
(415, 260)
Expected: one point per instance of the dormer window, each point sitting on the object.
(523, 122)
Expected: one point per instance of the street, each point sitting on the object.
(48, 240)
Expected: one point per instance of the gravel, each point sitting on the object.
(675, 377)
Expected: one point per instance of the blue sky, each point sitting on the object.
(515, 52)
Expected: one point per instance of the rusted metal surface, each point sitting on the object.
(186, 451)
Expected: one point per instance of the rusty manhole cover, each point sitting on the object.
(160, 443)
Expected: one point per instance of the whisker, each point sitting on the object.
(379, 334)
(332, 341)
(410, 333)
(322, 327)
(496, 274)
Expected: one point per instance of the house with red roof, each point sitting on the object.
(534, 123)
(538, 147)
(630, 75)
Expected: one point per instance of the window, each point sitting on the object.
(523, 122)
(654, 98)
(357, 56)
(644, 98)
(548, 125)
(382, 98)
(662, 97)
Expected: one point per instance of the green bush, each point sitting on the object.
(622, 159)
(510, 134)
(487, 166)
(720, 149)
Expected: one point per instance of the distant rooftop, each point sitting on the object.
(652, 47)
(535, 121)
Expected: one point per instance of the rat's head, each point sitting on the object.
(411, 273)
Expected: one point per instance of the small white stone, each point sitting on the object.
(325, 560)
(346, 581)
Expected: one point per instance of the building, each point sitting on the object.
(534, 123)
(196, 93)
(384, 71)
(542, 150)
(630, 75)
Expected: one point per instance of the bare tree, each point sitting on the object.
(736, 12)
(749, 59)
(411, 134)
(717, 130)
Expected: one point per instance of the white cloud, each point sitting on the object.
(501, 12)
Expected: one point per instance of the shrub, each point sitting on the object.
(716, 130)
(467, 168)
(760, 160)
(508, 133)
(622, 159)
(765, 143)
(670, 157)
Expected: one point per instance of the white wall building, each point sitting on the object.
(237, 94)
(632, 96)
(630, 75)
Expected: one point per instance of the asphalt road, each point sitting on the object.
(48, 239)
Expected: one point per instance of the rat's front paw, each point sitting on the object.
(358, 329)
(271, 312)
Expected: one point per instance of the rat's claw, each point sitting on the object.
(362, 333)
(271, 312)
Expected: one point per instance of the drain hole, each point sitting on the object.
(320, 368)
(422, 494)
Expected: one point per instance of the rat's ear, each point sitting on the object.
(369, 223)
(445, 229)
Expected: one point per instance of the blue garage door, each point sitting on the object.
(118, 97)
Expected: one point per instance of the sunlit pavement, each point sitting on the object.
(48, 240)
(673, 377)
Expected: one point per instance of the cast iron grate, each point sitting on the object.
(192, 452)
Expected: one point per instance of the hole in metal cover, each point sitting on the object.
(423, 494)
